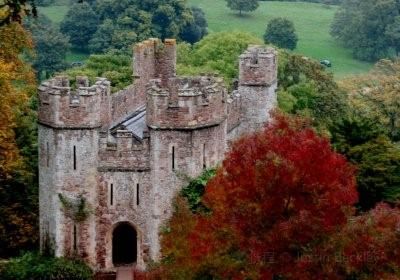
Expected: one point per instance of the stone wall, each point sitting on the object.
(175, 155)
(68, 166)
(125, 153)
(130, 204)
(186, 103)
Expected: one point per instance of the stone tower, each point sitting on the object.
(68, 139)
(187, 125)
(257, 86)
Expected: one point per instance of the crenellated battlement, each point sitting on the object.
(84, 106)
(186, 103)
(123, 151)
(258, 66)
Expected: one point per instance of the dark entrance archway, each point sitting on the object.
(124, 245)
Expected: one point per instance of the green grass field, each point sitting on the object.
(312, 22)
(55, 13)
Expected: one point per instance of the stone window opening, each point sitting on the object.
(47, 154)
(75, 241)
(74, 157)
(204, 157)
(137, 194)
(111, 194)
(173, 158)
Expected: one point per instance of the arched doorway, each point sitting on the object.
(124, 245)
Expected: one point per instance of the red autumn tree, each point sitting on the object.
(278, 193)
(367, 247)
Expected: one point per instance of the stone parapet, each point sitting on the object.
(61, 106)
(186, 103)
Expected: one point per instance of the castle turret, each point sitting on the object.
(85, 107)
(69, 124)
(187, 125)
(257, 86)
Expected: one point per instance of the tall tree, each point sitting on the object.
(278, 193)
(243, 5)
(51, 46)
(368, 27)
(80, 24)
(124, 23)
(196, 30)
(281, 33)
(18, 208)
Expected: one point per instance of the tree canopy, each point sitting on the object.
(123, 23)
(50, 44)
(281, 33)
(369, 27)
(79, 24)
(243, 5)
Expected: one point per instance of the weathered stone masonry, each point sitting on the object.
(124, 153)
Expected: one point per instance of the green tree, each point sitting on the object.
(80, 23)
(393, 33)
(124, 23)
(197, 29)
(368, 27)
(378, 179)
(243, 5)
(216, 53)
(51, 46)
(281, 33)
(114, 66)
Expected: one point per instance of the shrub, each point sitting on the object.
(34, 266)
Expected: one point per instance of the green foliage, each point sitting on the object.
(36, 267)
(281, 33)
(77, 210)
(368, 27)
(378, 162)
(124, 23)
(365, 144)
(51, 46)
(306, 88)
(195, 190)
(197, 29)
(243, 5)
(115, 67)
(216, 53)
(80, 23)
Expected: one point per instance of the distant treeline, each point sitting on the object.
(328, 2)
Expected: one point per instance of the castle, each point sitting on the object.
(111, 164)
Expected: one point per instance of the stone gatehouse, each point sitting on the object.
(120, 156)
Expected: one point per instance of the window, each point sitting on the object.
(173, 157)
(47, 154)
(111, 194)
(75, 238)
(74, 157)
(137, 194)
(204, 157)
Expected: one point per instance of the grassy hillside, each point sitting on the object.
(312, 22)
(55, 13)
